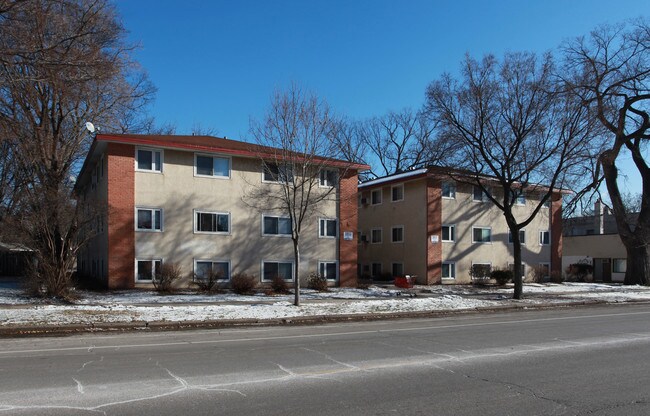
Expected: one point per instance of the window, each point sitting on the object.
(544, 270)
(520, 198)
(479, 195)
(448, 270)
(375, 236)
(328, 178)
(398, 269)
(213, 166)
(146, 270)
(149, 219)
(481, 235)
(327, 228)
(481, 270)
(544, 238)
(449, 190)
(375, 197)
(276, 225)
(212, 222)
(149, 160)
(511, 267)
(204, 268)
(327, 270)
(278, 173)
(619, 265)
(449, 233)
(272, 269)
(397, 193)
(376, 270)
(522, 236)
(398, 234)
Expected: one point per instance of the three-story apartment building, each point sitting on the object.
(426, 224)
(182, 199)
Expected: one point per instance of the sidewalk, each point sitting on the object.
(129, 310)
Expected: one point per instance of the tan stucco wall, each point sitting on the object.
(411, 213)
(179, 192)
(585, 248)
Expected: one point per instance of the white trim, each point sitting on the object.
(453, 183)
(391, 234)
(293, 269)
(381, 234)
(153, 270)
(320, 230)
(510, 236)
(453, 240)
(393, 177)
(483, 228)
(540, 240)
(523, 271)
(278, 182)
(327, 186)
(153, 150)
(212, 261)
(213, 155)
(547, 264)
(400, 185)
(202, 211)
(336, 278)
(275, 235)
(453, 277)
(153, 219)
(381, 196)
(484, 196)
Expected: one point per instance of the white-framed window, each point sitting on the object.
(279, 173)
(520, 199)
(544, 237)
(375, 197)
(544, 269)
(272, 269)
(511, 267)
(376, 270)
(448, 270)
(376, 236)
(397, 234)
(397, 192)
(146, 269)
(328, 270)
(148, 160)
(211, 166)
(204, 268)
(619, 265)
(211, 222)
(398, 269)
(449, 190)
(328, 178)
(481, 270)
(148, 219)
(481, 235)
(479, 195)
(276, 225)
(522, 236)
(326, 228)
(448, 233)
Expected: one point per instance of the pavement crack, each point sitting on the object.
(80, 387)
(332, 359)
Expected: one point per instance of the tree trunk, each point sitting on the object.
(638, 263)
(516, 272)
(296, 277)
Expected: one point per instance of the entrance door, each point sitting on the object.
(607, 270)
(603, 270)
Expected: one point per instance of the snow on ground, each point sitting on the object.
(148, 306)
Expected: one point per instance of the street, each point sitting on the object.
(568, 361)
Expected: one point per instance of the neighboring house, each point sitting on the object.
(14, 259)
(424, 223)
(180, 199)
(594, 240)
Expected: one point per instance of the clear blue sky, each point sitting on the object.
(216, 63)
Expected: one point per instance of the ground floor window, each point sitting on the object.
(448, 270)
(146, 269)
(511, 267)
(272, 269)
(398, 269)
(328, 270)
(376, 270)
(481, 270)
(544, 270)
(619, 265)
(219, 270)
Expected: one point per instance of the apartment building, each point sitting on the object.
(426, 224)
(182, 199)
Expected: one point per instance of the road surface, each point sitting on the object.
(574, 361)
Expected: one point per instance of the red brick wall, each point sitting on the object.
(434, 228)
(121, 217)
(348, 217)
(556, 232)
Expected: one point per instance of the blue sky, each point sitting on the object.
(216, 63)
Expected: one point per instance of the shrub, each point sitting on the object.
(557, 277)
(317, 283)
(209, 283)
(364, 282)
(279, 286)
(243, 284)
(166, 276)
(539, 274)
(480, 273)
(501, 276)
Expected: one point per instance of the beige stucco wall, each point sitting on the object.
(466, 213)
(410, 213)
(179, 192)
(585, 248)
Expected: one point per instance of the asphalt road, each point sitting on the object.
(591, 361)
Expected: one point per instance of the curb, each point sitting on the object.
(122, 327)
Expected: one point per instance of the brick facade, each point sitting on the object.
(348, 217)
(434, 228)
(556, 232)
(121, 220)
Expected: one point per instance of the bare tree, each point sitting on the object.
(609, 71)
(296, 139)
(62, 63)
(514, 132)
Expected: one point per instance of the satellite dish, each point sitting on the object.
(90, 127)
